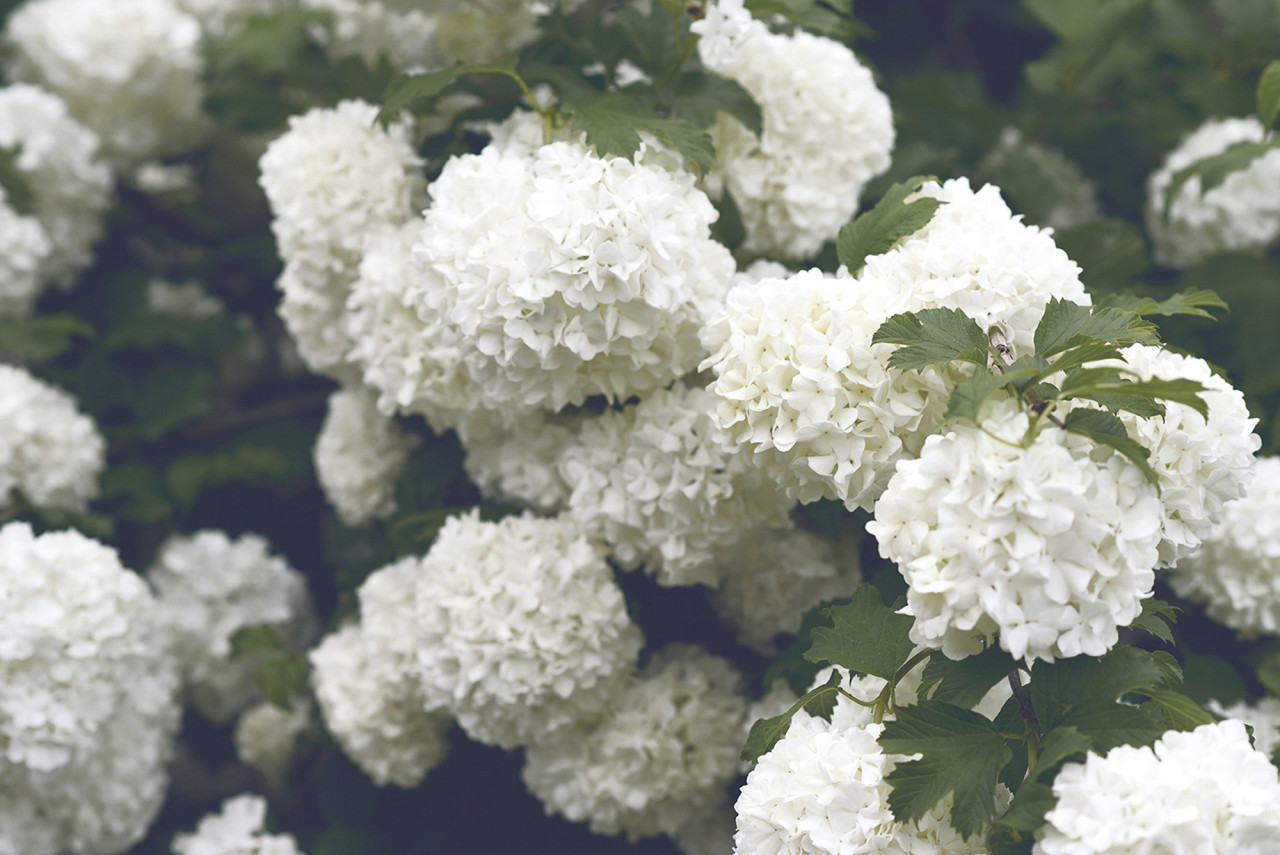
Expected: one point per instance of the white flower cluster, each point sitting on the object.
(70, 189)
(240, 829)
(359, 454)
(1072, 199)
(652, 481)
(1242, 212)
(208, 586)
(48, 450)
(821, 789)
(567, 274)
(1236, 573)
(88, 697)
(799, 384)
(1042, 544)
(772, 577)
(827, 131)
(1263, 717)
(333, 181)
(1203, 791)
(1202, 464)
(130, 71)
(658, 757)
(521, 627)
(268, 737)
(520, 463)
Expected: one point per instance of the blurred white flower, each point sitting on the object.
(359, 454)
(268, 738)
(240, 829)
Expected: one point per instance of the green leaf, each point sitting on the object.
(282, 677)
(816, 17)
(1269, 93)
(259, 638)
(1066, 324)
(967, 681)
(933, 336)
(1157, 618)
(961, 752)
(1181, 712)
(42, 337)
(728, 229)
(267, 44)
(1059, 687)
(866, 636)
(1211, 678)
(1111, 253)
(823, 704)
(1170, 670)
(892, 219)
(1091, 351)
(171, 395)
(1141, 396)
(1214, 170)
(791, 663)
(1268, 671)
(1192, 302)
(1059, 745)
(766, 732)
(1026, 813)
(136, 493)
(1105, 429)
(612, 123)
(405, 90)
(17, 190)
(699, 96)
(972, 392)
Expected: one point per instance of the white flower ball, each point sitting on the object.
(1202, 464)
(70, 185)
(827, 131)
(240, 829)
(1070, 198)
(799, 384)
(976, 256)
(652, 481)
(359, 454)
(521, 627)
(1243, 212)
(48, 450)
(1263, 716)
(208, 586)
(312, 302)
(772, 577)
(519, 463)
(659, 756)
(129, 70)
(1203, 791)
(569, 275)
(1236, 573)
(268, 738)
(376, 31)
(1051, 546)
(25, 248)
(88, 706)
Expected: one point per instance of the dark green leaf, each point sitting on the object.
(811, 15)
(892, 219)
(933, 336)
(1093, 351)
(791, 663)
(1105, 429)
(1059, 744)
(171, 395)
(1181, 712)
(651, 37)
(1211, 678)
(136, 493)
(1111, 253)
(1269, 93)
(407, 89)
(42, 337)
(1141, 396)
(1157, 618)
(282, 677)
(267, 44)
(967, 681)
(1058, 688)
(766, 732)
(17, 190)
(1214, 170)
(866, 636)
(1191, 303)
(1032, 801)
(1268, 672)
(699, 96)
(1109, 725)
(411, 534)
(823, 704)
(728, 228)
(969, 396)
(962, 753)
(1170, 670)
(612, 123)
(259, 638)
(1066, 324)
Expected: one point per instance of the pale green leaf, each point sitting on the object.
(1269, 93)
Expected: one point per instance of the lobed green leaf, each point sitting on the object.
(933, 336)
(282, 677)
(866, 636)
(893, 218)
(1269, 94)
(1180, 711)
(1059, 745)
(1194, 302)
(974, 391)
(1156, 619)
(966, 681)
(259, 638)
(406, 90)
(612, 124)
(1066, 325)
(1105, 429)
(42, 337)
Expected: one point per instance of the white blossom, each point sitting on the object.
(659, 756)
(208, 586)
(1068, 196)
(1243, 212)
(1263, 716)
(240, 829)
(88, 697)
(567, 274)
(799, 384)
(1044, 545)
(1195, 792)
(827, 131)
(359, 454)
(49, 451)
(374, 31)
(129, 71)
(1236, 572)
(268, 738)
(520, 462)
(652, 481)
(521, 627)
(25, 248)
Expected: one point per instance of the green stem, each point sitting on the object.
(1028, 712)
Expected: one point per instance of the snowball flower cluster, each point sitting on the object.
(1066, 197)
(521, 627)
(375, 31)
(88, 706)
(1202, 464)
(49, 451)
(520, 463)
(653, 482)
(1236, 573)
(268, 737)
(827, 131)
(208, 587)
(70, 190)
(799, 384)
(1242, 212)
(1206, 790)
(821, 789)
(659, 757)
(359, 454)
(1263, 717)
(131, 72)
(240, 829)
(1045, 545)
(567, 274)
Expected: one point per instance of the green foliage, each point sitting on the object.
(1213, 170)
(893, 218)
(1105, 429)
(700, 96)
(613, 125)
(1083, 692)
(866, 636)
(281, 677)
(1194, 303)
(974, 391)
(1269, 94)
(1066, 324)
(415, 91)
(966, 681)
(1111, 253)
(824, 18)
(259, 638)
(17, 191)
(1157, 619)
(933, 337)
(42, 337)
(791, 663)
(765, 733)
